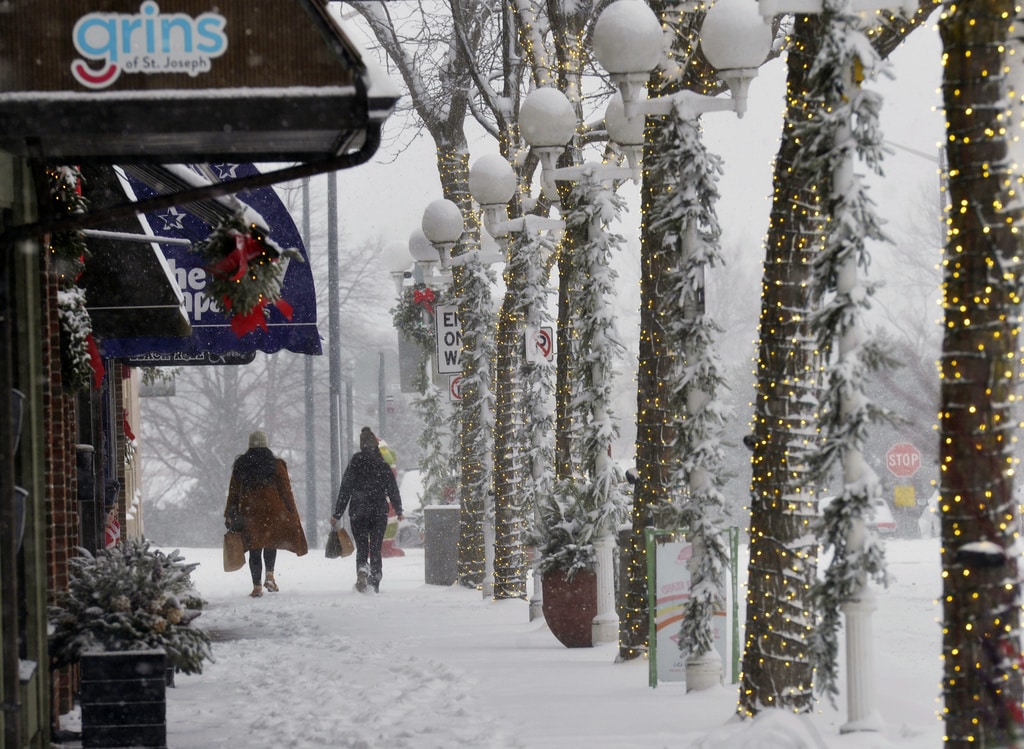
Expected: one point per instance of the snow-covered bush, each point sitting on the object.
(562, 534)
(129, 597)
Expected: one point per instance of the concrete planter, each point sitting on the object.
(123, 699)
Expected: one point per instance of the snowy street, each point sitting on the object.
(420, 666)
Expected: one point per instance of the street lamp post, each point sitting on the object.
(442, 225)
(627, 41)
(734, 40)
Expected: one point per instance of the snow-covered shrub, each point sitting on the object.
(129, 597)
(562, 534)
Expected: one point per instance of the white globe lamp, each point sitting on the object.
(443, 225)
(627, 41)
(736, 40)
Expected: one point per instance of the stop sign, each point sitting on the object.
(903, 460)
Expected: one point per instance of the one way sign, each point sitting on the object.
(449, 339)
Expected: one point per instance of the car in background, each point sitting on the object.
(882, 517)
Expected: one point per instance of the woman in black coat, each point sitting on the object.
(366, 488)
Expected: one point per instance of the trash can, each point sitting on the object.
(441, 544)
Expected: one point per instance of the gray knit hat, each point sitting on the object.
(258, 439)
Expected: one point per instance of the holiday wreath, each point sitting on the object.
(408, 315)
(245, 272)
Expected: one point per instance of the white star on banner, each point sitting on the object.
(172, 218)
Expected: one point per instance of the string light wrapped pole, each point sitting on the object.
(523, 448)
(845, 125)
(443, 224)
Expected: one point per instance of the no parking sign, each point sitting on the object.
(540, 344)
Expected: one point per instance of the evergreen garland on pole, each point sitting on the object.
(685, 217)
(844, 128)
(585, 507)
(530, 262)
(81, 363)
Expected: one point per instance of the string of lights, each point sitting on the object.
(979, 370)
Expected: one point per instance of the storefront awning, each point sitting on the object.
(129, 288)
(185, 81)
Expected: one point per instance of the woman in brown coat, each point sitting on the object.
(261, 507)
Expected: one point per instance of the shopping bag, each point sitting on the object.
(339, 544)
(347, 544)
(234, 551)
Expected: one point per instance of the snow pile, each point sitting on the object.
(420, 666)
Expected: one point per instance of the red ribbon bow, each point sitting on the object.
(256, 317)
(426, 297)
(236, 263)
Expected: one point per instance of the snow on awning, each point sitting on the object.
(184, 81)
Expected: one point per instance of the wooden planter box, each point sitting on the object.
(123, 698)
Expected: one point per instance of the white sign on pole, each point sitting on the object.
(670, 593)
(540, 344)
(449, 339)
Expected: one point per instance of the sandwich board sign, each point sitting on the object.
(669, 554)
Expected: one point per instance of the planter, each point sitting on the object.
(570, 607)
(123, 699)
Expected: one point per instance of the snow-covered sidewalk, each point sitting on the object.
(420, 666)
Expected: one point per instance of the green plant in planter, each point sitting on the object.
(130, 597)
(568, 522)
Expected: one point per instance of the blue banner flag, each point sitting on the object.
(212, 340)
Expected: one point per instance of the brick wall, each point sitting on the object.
(59, 414)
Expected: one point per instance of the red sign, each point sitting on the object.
(455, 388)
(903, 460)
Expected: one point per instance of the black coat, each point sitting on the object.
(367, 486)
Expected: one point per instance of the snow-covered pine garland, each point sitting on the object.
(81, 364)
(413, 316)
(535, 430)
(76, 339)
(845, 127)
(595, 503)
(684, 214)
(473, 282)
(245, 272)
(68, 249)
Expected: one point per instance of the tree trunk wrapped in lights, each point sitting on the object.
(523, 457)
(509, 567)
(980, 361)
(473, 283)
(777, 670)
(845, 127)
(655, 418)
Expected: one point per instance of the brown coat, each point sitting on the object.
(269, 518)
